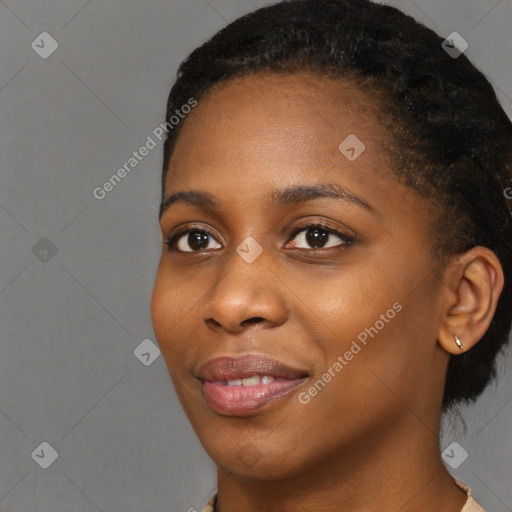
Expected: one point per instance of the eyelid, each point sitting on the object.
(347, 239)
(173, 238)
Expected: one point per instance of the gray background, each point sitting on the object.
(70, 321)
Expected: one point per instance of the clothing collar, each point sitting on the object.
(470, 506)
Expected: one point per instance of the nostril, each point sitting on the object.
(212, 322)
(255, 320)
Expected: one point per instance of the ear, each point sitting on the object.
(472, 286)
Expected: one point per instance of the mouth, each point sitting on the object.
(240, 386)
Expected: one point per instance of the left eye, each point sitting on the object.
(319, 237)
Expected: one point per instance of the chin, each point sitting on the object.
(248, 460)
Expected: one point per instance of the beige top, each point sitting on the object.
(470, 506)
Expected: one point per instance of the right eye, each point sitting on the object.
(191, 240)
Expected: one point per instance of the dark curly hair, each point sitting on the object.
(451, 140)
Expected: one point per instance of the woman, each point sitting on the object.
(337, 255)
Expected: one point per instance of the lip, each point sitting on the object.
(245, 400)
(229, 368)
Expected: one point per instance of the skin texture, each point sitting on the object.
(369, 439)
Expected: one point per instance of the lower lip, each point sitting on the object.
(244, 400)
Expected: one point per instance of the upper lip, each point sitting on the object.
(241, 367)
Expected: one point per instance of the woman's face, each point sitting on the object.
(347, 313)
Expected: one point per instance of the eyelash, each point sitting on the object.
(171, 242)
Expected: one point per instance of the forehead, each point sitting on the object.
(291, 123)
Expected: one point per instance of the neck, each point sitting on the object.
(402, 472)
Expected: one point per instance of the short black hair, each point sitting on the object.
(452, 137)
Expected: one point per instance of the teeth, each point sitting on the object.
(251, 381)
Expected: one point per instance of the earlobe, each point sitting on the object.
(453, 342)
(473, 286)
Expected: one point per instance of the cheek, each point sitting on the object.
(161, 305)
(365, 317)
(173, 295)
(171, 311)
(388, 365)
(352, 303)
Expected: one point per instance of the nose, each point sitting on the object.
(245, 294)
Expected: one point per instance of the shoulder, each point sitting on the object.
(210, 506)
(471, 505)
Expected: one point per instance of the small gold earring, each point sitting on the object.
(459, 343)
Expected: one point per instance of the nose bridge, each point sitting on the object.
(245, 290)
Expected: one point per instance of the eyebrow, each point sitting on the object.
(284, 197)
